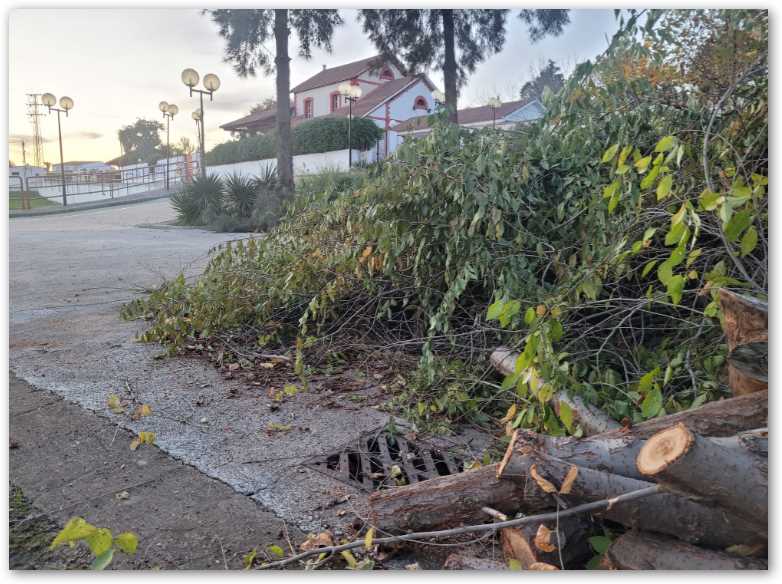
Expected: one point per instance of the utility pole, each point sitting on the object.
(33, 105)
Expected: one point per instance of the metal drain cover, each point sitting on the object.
(367, 462)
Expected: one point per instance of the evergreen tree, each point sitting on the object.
(453, 41)
(247, 31)
(549, 77)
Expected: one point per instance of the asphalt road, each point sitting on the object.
(69, 275)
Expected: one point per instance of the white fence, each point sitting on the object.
(302, 163)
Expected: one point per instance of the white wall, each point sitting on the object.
(401, 109)
(302, 163)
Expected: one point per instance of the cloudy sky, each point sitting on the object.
(117, 65)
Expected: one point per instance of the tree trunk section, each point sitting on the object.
(591, 419)
(449, 66)
(745, 323)
(667, 513)
(735, 478)
(458, 561)
(446, 501)
(529, 544)
(283, 80)
(645, 551)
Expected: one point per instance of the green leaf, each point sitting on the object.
(675, 234)
(275, 550)
(648, 180)
(749, 241)
(599, 543)
(643, 164)
(566, 415)
(609, 190)
(514, 565)
(647, 381)
(664, 188)
(127, 542)
(529, 316)
(710, 200)
(76, 529)
(613, 202)
(652, 404)
(99, 541)
(665, 144)
(679, 215)
(609, 154)
(648, 268)
(737, 224)
(675, 288)
(494, 310)
(103, 560)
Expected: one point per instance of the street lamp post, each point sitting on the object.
(169, 111)
(351, 93)
(494, 103)
(211, 82)
(66, 104)
(196, 115)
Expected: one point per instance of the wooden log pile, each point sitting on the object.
(709, 464)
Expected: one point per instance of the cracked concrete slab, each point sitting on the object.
(69, 275)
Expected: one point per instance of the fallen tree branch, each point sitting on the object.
(552, 516)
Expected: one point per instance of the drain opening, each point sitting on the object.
(380, 460)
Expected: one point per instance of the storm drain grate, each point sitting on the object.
(368, 463)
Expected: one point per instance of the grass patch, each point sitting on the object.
(15, 200)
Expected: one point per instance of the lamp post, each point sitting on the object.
(196, 115)
(494, 103)
(66, 104)
(211, 84)
(169, 111)
(351, 93)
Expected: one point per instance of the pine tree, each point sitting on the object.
(247, 31)
(550, 77)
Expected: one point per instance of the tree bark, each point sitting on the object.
(283, 81)
(735, 478)
(446, 501)
(591, 419)
(667, 513)
(459, 561)
(645, 551)
(449, 66)
(745, 322)
(528, 543)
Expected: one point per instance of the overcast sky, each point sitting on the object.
(117, 65)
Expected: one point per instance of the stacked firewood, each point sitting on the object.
(710, 464)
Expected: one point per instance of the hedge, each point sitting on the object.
(319, 135)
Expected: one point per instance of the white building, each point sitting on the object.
(389, 96)
(83, 166)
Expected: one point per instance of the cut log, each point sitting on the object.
(540, 542)
(667, 513)
(447, 501)
(591, 419)
(735, 478)
(645, 551)
(745, 322)
(459, 561)
(617, 452)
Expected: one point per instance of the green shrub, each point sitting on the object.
(199, 202)
(240, 194)
(311, 137)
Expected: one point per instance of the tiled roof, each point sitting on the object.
(376, 97)
(337, 74)
(470, 115)
(256, 121)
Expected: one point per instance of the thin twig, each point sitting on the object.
(585, 508)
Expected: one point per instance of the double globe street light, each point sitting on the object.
(351, 93)
(66, 104)
(494, 103)
(211, 84)
(169, 111)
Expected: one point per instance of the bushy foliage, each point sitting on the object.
(199, 202)
(319, 135)
(597, 239)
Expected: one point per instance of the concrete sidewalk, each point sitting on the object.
(70, 462)
(73, 207)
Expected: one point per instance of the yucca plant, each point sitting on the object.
(199, 201)
(240, 195)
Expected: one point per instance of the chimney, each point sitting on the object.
(324, 67)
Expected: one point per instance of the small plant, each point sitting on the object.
(240, 195)
(199, 202)
(100, 540)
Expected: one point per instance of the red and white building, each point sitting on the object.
(388, 97)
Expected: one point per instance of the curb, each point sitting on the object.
(87, 206)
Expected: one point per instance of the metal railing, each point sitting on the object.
(89, 186)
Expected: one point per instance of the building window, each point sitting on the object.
(334, 101)
(420, 103)
(386, 74)
(309, 109)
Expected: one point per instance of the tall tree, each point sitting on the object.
(266, 105)
(549, 77)
(140, 141)
(247, 31)
(453, 41)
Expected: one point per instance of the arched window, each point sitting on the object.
(420, 103)
(386, 74)
(309, 109)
